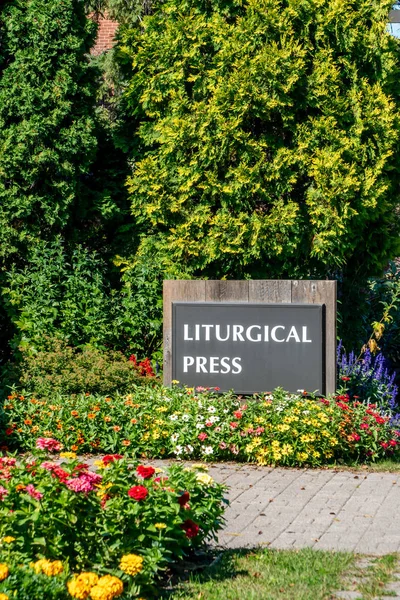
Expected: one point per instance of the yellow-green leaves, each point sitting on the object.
(266, 136)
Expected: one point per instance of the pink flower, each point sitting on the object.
(364, 426)
(79, 485)
(355, 437)
(202, 436)
(6, 461)
(48, 465)
(209, 424)
(234, 449)
(217, 429)
(223, 445)
(30, 489)
(3, 492)
(48, 444)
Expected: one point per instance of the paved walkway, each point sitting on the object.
(295, 508)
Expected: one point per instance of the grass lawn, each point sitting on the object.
(287, 575)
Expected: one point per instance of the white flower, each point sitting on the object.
(186, 418)
(300, 391)
(214, 419)
(200, 403)
(174, 437)
(207, 449)
(226, 410)
(269, 397)
(211, 409)
(174, 417)
(200, 426)
(200, 418)
(178, 450)
(305, 412)
(189, 449)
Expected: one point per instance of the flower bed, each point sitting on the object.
(73, 533)
(276, 428)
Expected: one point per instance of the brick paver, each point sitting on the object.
(295, 508)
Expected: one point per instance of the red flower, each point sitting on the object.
(184, 499)
(202, 436)
(9, 431)
(60, 474)
(380, 420)
(238, 414)
(133, 359)
(209, 424)
(234, 424)
(355, 437)
(384, 445)
(109, 458)
(145, 368)
(190, 528)
(217, 389)
(392, 443)
(345, 378)
(145, 472)
(364, 426)
(138, 492)
(343, 398)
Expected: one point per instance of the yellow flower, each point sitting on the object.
(283, 427)
(4, 572)
(160, 525)
(79, 587)
(204, 478)
(131, 564)
(67, 455)
(286, 450)
(162, 409)
(107, 588)
(175, 381)
(48, 567)
(4, 597)
(302, 456)
(8, 539)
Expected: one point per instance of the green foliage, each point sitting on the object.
(69, 295)
(267, 137)
(59, 293)
(58, 368)
(47, 124)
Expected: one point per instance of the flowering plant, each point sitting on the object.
(275, 428)
(368, 378)
(51, 512)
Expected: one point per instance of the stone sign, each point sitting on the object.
(247, 345)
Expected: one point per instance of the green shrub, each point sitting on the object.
(260, 151)
(61, 369)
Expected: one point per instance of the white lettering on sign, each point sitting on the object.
(212, 364)
(253, 333)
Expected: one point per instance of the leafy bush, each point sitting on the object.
(61, 369)
(269, 158)
(367, 378)
(47, 120)
(127, 519)
(158, 422)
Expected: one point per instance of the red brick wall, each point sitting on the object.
(105, 35)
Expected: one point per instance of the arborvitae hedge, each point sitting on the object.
(267, 137)
(47, 119)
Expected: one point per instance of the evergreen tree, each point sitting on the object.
(47, 120)
(266, 137)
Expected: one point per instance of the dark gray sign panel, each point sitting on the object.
(248, 347)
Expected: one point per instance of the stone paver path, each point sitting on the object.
(295, 508)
